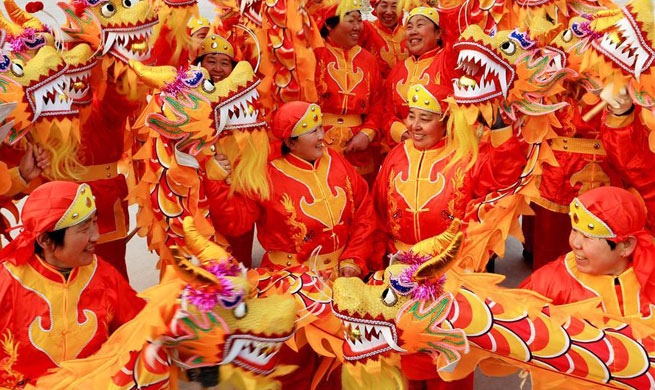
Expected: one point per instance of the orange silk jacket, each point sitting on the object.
(428, 68)
(414, 194)
(386, 45)
(561, 281)
(324, 204)
(47, 318)
(349, 89)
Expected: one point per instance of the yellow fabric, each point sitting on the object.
(498, 137)
(419, 97)
(215, 43)
(99, 172)
(350, 120)
(18, 184)
(370, 133)
(578, 145)
(397, 131)
(310, 120)
(618, 122)
(587, 223)
(428, 12)
(324, 261)
(197, 23)
(83, 205)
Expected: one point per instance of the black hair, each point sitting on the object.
(285, 149)
(57, 238)
(331, 22)
(612, 244)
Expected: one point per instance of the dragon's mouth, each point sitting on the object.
(129, 43)
(49, 97)
(485, 75)
(253, 353)
(626, 46)
(366, 338)
(78, 86)
(239, 112)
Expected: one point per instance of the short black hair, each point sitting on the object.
(612, 244)
(285, 149)
(331, 22)
(198, 60)
(57, 238)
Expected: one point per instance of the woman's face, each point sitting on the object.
(346, 33)
(425, 128)
(79, 245)
(218, 65)
(421, 36)
(308, 146)
(387, 13)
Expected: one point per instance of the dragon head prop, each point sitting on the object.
(203, 313)
(403, 312)
(624, 54)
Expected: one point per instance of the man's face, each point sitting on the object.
(594, 255)
(218, 65)
(79, 244)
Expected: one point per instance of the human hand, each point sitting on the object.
(405, 136)
(348, 272)
(33, 163)
(357, 143)
(223, 162)
(618, 103)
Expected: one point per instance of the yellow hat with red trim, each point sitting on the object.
(428, 12)
(215, 43)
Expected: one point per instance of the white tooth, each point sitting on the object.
(641, 61)
(109, 42)
(503, 82)
(386, 333)
(38, 103)
(234, 351)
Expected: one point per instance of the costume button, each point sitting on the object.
(108, 174)
(288, 263)
(596, 146)
(289, 256)
(108, 167)
(340, 121)
(565, 147)
(326, 261)
(565, 140)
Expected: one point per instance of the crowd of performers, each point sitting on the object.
(349, 146)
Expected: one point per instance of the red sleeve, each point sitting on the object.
(359, 243)
(626, 143)
(498, 167)
(376, 103)
(128, 305)
(554, 281)
(391, 116)
(231, 214)
(380, 202)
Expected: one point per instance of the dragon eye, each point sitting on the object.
(508, 48)
(567, 35)
(208, 86)
(240, 311)
(129, 3)
(17, 69)
(108, 10)
(389, 297)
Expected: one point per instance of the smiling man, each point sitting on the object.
(59, 300)
(612, 256)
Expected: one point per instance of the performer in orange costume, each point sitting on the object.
(60, 301)
(317, 199)
(319, 213)
(612, 256)
(348, 85)
(384, 36)
(425, 64)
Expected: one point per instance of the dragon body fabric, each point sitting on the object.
(203, 313)
(422, 305)
(185, 124)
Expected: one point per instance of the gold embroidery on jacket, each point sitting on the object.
(392, 210)
(8, 376)
(591, 176)
(351, 198)
(458, 195)
(299, 228)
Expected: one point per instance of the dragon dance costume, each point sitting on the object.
(50, 317)
(385, 44)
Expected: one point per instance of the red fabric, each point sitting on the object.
(95, 293)
(555, 226)
(625, 214)
(43, 208)
(241, 247)
(387, 46)
(296, 182)
(286, 118)
(422, 374)
(113, 253)
(494, 169)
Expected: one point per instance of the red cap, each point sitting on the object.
(295, 118)
(625, 215)
(45, 207)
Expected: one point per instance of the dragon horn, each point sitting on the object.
(10, 27)
(201, 247)
(188, 271)
(434, 245)
(154, 76)
(437, 266)
(21, 17)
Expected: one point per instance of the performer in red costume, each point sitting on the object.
(384, 36)
(60, 301)
(349, 89)
(612, 256)
(425, 64)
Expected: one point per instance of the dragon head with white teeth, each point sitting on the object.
(379, 319)
(624, 54)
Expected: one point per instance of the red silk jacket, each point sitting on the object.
(384, 44)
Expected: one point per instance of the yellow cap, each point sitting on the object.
(311, 119)
(196, 24)
(419, 97)
(346, 6)
(587, 223)
(82, 207)
(215, 43)
(428, 12)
